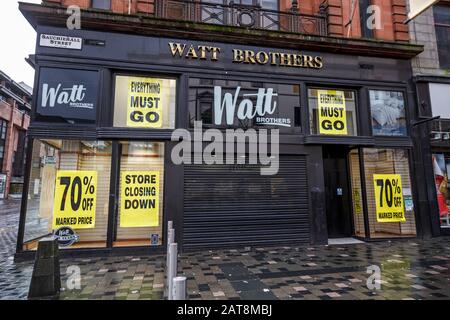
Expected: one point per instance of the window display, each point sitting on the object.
(140, 208)
(244, 104)
(441, 166)
(332, 112)
(388, 113)
(389, 193)
(69, 188)
(144, 102)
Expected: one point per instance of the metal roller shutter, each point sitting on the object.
(233, 205)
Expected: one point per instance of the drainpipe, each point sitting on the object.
(129, 6)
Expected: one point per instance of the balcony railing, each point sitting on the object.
(238, 15)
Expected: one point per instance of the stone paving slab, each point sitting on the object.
(413, 269)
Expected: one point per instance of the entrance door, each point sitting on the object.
(337, 191)
(139, 215)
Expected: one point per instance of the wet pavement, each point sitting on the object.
(412, 269)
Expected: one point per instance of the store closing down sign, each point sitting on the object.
(332, 112)
(75, 199)
(139, 202)
(144, 109)
(389, 198)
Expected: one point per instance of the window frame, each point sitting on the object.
(336, 87)
(405, 100)
(99, 8)
(143, 74)
(437, 25)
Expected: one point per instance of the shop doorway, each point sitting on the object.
(337, 192)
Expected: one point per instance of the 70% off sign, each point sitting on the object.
(389, 198)
(75, 199)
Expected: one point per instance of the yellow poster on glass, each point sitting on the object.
(144, 103)
(332, 112)
(139, 202)
(75, 199)
(389, 198)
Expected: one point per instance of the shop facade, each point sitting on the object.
(432, 83)
(102, 172)
(433, 92)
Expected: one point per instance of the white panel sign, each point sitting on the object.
(64, 42)
(440, 99)
(416, 7)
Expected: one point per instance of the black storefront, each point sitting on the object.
(91, 151)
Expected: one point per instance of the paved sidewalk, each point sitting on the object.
(409, 270)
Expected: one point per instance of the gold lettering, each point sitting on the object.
(309, 62)
(215, 53)
(273, 58)
(249, 57)
(177, 48)
(319, 62)
(203, 50)
(265, 57)
(285, 59)
(238, 55)
(191, 53)
(298, 60)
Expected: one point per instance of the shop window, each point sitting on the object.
(67, 96)
(144, 102)
(441, 167)
(442, 25)
(69, 187)
(140, 208)
(244, 104)
(332, 112)
(389, 193)
(388, 113)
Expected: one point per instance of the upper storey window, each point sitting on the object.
(101, 4)
(442, 24)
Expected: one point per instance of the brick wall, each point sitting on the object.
(392, 17)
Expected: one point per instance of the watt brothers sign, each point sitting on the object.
(262, 57)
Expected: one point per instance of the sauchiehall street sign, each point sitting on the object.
(212, 53)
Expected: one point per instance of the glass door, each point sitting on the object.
(382, 193)
(139, 215)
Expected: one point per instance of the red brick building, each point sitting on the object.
(339, 12)
(15, 106)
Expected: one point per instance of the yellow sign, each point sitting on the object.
(75, 199)
(389, 198)
(144, 103)
(357, 201)
(139, 202)
(332, 112)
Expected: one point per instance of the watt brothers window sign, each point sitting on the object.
(67, 95)
(244, 104)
